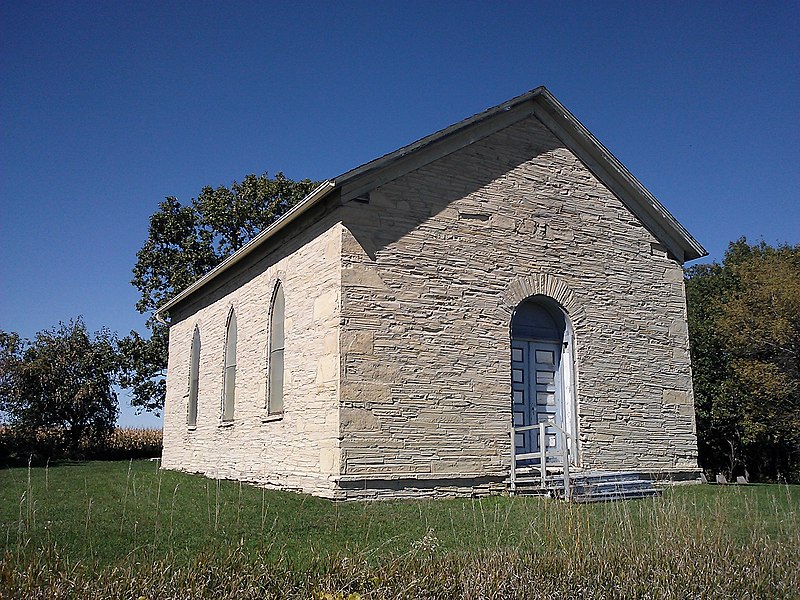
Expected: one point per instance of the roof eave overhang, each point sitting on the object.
(353, 177)
(563, 124)
(313, 198)
(654, 215)
(506, 113)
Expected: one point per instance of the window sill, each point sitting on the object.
(224, 424)
(271, 418)
(191, 427)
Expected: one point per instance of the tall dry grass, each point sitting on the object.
(692, 543)
(132, 442)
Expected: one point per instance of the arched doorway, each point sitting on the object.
(541, 370)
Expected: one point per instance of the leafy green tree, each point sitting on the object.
(744, 325)
(184, 243)
(62, 380)
(11, 349)
(237, 214)
(715, 409)
(178, 250)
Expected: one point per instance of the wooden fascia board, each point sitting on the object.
(463, 133)
(543, 105)
(538, 102)
(315, 196)
(436, 136)
(357, 183)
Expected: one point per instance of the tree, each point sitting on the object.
(184, 243)
(62, 380)
(178, 250)
(744, 326)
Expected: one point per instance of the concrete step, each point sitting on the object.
(606, 476)
(611, 486)
(612, 496)
(594, 486)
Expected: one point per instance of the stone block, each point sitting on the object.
(325, 305)
(363, 275)
(358, 420)
(358, 342)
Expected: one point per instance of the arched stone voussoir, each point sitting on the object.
(542, 284)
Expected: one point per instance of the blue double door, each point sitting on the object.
(536, 390)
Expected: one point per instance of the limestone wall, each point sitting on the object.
(397, 332)
(299, 449)
(433, 266)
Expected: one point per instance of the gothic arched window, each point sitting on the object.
(194, 377)
(276, 340)
(229, 376)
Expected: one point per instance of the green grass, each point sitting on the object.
(128, 529)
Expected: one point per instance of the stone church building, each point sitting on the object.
(385, 336)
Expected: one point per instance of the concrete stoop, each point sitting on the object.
(589, 486)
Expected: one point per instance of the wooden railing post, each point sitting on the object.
(565, 458)
(561, 449)
(543, 453)
(513, 460)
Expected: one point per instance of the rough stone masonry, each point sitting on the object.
(397, 343)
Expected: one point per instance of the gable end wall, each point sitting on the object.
(429, 266)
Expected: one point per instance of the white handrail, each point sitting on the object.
(543, 454)
(526, 428)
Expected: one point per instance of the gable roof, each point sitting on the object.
(538, 102)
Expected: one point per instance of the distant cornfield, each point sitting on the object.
(18, 446)
(131, 442)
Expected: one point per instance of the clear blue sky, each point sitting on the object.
(108, 107)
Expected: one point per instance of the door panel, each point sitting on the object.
(536, 389)
(520, 393)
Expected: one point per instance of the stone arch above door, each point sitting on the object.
(542, 284)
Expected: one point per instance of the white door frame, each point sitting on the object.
(566, 373)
